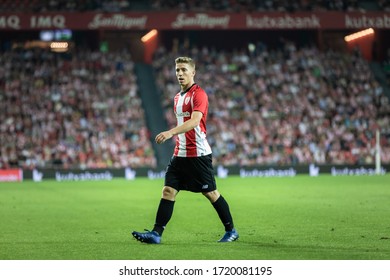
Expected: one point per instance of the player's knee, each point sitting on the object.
(169, 193)
(212, 196)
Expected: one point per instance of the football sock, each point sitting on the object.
(222, 208)
(164, 214)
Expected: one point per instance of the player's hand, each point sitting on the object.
(162, 137)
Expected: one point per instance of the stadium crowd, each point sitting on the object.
(71, 111)
(287, 106)
(184, 5)
(257, 5)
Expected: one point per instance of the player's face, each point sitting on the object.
(185, 74)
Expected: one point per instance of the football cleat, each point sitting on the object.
(150, 237)
(229, 236)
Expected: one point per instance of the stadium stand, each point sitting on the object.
(191, 5)
(257, 5)
(284, 106)
(292, 106)
(81, 111)
(287, 106)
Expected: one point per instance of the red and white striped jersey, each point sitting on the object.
(193, 143)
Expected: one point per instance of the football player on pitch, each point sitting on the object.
(191, 167)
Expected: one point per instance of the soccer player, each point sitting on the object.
(191, 167)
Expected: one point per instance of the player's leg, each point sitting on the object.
(163, 215)
(204, 180)
(165, 207)
(222, 207)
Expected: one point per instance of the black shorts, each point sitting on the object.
(195, 174)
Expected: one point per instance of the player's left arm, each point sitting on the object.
(193, 122)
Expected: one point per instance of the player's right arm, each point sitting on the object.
(193, 122)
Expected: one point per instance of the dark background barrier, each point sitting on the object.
(220, 171)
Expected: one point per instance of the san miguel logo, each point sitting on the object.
(117, 21)
(201, 20)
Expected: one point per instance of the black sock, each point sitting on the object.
(164, 214)
(222, 208)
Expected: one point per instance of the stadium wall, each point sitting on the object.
(107, 174)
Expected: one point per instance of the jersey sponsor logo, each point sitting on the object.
(183, 114)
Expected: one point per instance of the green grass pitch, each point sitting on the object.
(301, 218)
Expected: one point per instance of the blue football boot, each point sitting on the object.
(150, 237)
(229, 236)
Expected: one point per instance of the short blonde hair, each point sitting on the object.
(184, 59)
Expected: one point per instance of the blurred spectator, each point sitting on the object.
(384, 5)
(287, 106)
(386, 66)
(83, 111)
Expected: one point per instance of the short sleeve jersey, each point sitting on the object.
(193, 143)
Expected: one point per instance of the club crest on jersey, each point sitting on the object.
(187, 100)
